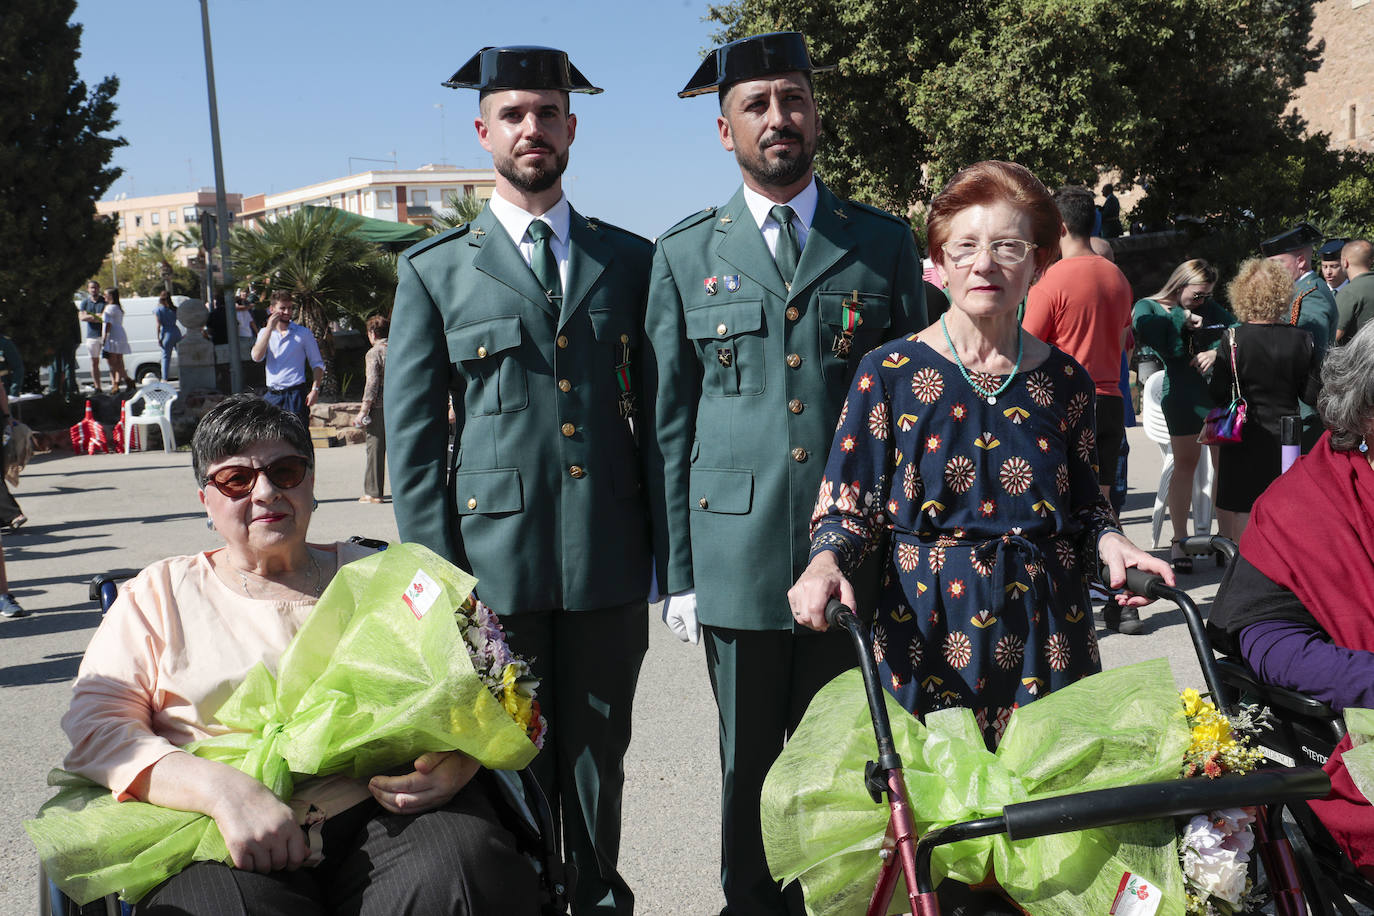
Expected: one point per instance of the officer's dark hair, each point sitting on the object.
(723, 94)
(482, 102)
(990, 182)
(240, 421)
(1077, 209)
(1108, 188)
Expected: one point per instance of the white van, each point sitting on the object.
(140, 324)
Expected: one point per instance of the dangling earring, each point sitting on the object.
(209, 523)
(1364, 446)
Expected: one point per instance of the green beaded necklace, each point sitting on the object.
(990, 396)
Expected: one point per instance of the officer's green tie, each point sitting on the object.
(788, 252)
(542, 261)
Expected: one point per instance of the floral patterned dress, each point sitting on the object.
(994, 514)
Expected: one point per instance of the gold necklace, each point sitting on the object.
(318, 576)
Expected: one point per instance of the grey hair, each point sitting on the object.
(239, 421)
(1346, 402)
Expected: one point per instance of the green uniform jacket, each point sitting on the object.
(742, 394)
(543, 501)
(1316, 310)
(1356, 304)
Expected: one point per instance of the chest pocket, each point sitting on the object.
(487, 352)
(868, 322)
(729, 337)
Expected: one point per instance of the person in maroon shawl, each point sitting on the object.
(1296, 601)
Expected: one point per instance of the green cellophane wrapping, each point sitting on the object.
(364, 686)
(1359, 760)
(1115, 728)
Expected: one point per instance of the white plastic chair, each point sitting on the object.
(1157, 431)
(157, 398)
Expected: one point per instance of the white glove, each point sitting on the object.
(680, 614)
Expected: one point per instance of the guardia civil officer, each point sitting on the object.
(758, 313)
(1311, 305)
(530, 319)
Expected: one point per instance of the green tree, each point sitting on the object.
(333, 274)
(460, 210)
(140, 270)
(1187, 96)
(54, 164)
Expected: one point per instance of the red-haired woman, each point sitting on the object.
(973, 442)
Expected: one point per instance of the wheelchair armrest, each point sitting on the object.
(1239, 676)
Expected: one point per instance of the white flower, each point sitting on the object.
(1216, 851)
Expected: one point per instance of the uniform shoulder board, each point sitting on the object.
(424, 245)
(878, 211)
(692, 220)
(594, 223)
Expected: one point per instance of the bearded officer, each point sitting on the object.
(1311, 306)
(758, 313)
(529, 318)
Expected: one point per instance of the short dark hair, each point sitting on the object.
(239, 421)
(1108, 188)
(379, 325)
(282, 295)
(989, 182)
(1077, 209)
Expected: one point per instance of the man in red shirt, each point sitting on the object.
(1082, 305)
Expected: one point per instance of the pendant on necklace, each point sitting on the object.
(992, 399)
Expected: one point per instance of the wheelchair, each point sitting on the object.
(525, 812)
(1302, 732)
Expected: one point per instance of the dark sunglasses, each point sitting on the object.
(237, 480)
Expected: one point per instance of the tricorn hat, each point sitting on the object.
(751, 58)
(520, 67)
(1300, 236)
(1331, 251)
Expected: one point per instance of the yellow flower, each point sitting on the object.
(516, 703)
(1192, 701)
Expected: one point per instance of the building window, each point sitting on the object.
(172, 217)
(138, 220)
(157, 217)
(383, 200)
(419, 198)
(1351, 126)
(188, 214)
(123, 245)
(367, 200)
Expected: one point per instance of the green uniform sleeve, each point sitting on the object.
(417, 401)
(909, 310)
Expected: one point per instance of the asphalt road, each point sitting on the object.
(118, 513)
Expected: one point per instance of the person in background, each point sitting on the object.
(287, 349)
(1276, 366)
(114, 342)
(1333, 271)
(370, 415)
(1355, 302)
(168, 333)
(9, 607)
(243, 312)
(11, 516)
(89, 312)
(62, 369)
(13, 377)
(1180, 323)
(1294, 603)
(1111, 212)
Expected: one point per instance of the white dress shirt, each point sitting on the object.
(803, 209)
(516, 222)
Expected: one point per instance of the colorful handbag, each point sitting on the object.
(1224, 424)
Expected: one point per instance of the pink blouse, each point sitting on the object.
(170, 651)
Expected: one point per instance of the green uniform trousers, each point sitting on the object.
(763, 681)
(588, 664)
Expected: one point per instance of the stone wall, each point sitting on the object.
(1339, 98)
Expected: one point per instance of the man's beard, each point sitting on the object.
(782, 171)
(532, 179)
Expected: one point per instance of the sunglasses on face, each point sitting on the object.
(1198, 297)
(237, 480)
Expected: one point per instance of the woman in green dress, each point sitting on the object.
(1183, 325)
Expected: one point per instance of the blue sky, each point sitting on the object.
(302, 86)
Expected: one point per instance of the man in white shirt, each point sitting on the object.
(288, 348)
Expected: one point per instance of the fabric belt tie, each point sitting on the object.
(1007, 551)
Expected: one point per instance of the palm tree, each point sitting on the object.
(332, 273)
(460, 210)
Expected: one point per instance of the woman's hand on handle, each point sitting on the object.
(1117, 554)
(821, 581)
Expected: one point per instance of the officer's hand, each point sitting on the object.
(680, 614)
(821, 581)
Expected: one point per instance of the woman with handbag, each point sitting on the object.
(1268, 366)
(1179, 323)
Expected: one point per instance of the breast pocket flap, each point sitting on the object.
(479, 339)
(488, 492)
(726, 490)
(744, 316)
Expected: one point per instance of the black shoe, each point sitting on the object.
(1180, 561)
(1123, 620)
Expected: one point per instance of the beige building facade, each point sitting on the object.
(399, 195)
(1339, 98)
(141, 217)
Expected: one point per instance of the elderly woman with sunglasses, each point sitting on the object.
(185, 632)
(972, 445)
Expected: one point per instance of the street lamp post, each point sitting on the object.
(221, 213)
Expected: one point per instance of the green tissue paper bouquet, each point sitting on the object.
(1115, 728)
(395, 660)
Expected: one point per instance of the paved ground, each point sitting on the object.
(116, 512)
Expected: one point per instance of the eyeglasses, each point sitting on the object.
(1007, 252)
(1197, 298)
(238, 480)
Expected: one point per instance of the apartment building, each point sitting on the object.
(140, 217)
(399, 195)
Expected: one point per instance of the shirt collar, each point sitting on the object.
(803, 205)
(517, 221)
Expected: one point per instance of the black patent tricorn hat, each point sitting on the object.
(520, 67)
(1300, 236)
(751, 58)
(1331, 251)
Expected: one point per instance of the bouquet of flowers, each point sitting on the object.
(1214, 848)
(395, 660)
